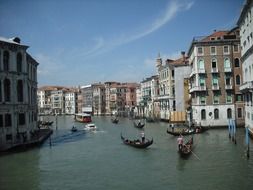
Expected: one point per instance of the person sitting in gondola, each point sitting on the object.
(180, 141)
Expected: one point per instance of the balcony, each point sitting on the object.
(198, 88)
(215, 87)
(201, 71)
(228, 87)
(214, 70)
(247, 86)
(227, 69)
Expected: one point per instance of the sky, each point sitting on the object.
(81, 42)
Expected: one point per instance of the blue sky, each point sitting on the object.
(79, 42)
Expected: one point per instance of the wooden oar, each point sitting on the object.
(195, 155)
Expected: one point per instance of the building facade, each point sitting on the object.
(215, 79)
(98, 99)
(246, 37)
(18, 88)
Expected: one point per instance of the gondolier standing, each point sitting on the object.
(142, 136)
(180, 142)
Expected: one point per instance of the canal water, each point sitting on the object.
(99, 160)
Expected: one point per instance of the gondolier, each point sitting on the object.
(142, 136)
(180, 142)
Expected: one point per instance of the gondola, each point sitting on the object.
(115, 120)
(137, 143)
(186, 149)
(140, 125)
(187, 131)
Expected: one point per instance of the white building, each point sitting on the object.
(18, 87)
(245, 24)
(70, 102)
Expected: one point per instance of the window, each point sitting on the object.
(227, 63)
(215, 80)
(216, 114)
(202, 81)
(212, 50)
(7, 120)
(7, 90)
(239, 97)
(229, 113)
(21, 119)
(239, 112)
(236, 48)
(238, 80)
(228, 80)
(19, 62)
(214, 63)
(201, 64)
(202, 100)
(225, 49)
(237, 62)
(203, 114)
(200, 51)
(20, 91)
(229, 98)
(216, 98)
(6, 60)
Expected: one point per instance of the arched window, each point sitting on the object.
(229, 113)
(201, 64)
(6, 60)
(19, 62)
(214, 63)
(216, 114)
(203, 114)
(227, 63)
(237, 62)
(238, 80)
(20, 96)
(7, 90)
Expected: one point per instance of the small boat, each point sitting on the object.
(46, 123)
(115, 120)
(139, 125)
(90, 126)
(73, 129)
(186, 131)
(186, 149)
(137, 143)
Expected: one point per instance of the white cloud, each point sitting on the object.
(172, 9)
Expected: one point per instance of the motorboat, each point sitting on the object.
(90, 126)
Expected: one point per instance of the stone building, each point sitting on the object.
(215, 79)
(18, 88)
(245, 23)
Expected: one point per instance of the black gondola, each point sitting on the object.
(187, 131)
(186, 149)
(137, 143)
(139, 125)
(115, 120)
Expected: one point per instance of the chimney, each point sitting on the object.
(17, 40)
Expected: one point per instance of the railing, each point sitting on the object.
(215, 87)
(228, 87)
(227, 69)
(246, 86)
(201, 71)
(214, 70)
(198, 88)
